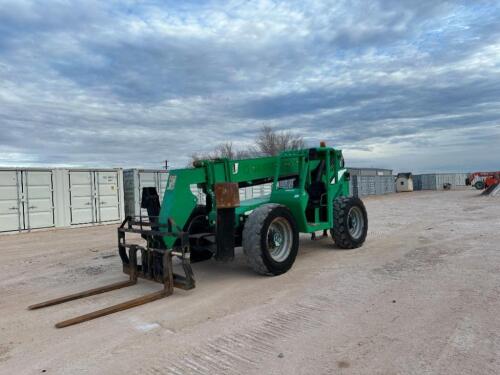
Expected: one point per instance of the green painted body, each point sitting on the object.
(179, 202)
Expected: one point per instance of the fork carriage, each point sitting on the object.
(156, 265)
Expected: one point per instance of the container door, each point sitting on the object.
(38, 199)
(11, 211)
(81, 197)
(108, 196)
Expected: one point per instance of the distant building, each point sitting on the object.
(404, 182)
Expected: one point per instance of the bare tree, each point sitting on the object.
(268, 142)
(223, 150)
(271, 142)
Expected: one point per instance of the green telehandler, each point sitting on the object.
(310, 193)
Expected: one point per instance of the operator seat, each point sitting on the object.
(317, 187)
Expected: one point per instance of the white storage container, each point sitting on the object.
(26, 199)
(42, 198)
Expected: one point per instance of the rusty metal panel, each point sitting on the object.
(227, 195)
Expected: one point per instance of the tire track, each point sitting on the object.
(245, 348)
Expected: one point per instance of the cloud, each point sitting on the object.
(124, 83)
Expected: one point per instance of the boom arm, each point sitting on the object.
(179, 202)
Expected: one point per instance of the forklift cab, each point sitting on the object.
(307, 192)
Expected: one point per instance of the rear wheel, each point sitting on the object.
(350, 222)
(271, 239)
(479, 185)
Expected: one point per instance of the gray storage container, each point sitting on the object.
(134, 180)
(417, 182)
(436, 181)
(370, 171)
(371, 185)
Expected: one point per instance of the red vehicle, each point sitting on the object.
(483, 180)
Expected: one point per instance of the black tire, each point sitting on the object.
(345, 233)
(256, 239)
(479, 185)
(198, 223)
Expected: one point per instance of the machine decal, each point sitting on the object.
(171, 182)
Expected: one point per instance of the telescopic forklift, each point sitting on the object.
(310, 193)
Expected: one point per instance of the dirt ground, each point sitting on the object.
(422, 296)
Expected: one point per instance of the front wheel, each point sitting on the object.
(271, 239)
(350, 222)
(479, 185)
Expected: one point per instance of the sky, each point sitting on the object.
(408, 85)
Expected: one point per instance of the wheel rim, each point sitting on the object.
(279, 239)
(355, 222)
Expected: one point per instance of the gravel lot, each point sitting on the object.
(421, 297)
